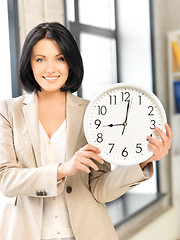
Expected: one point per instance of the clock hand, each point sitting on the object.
(127, 112)
(112, 125)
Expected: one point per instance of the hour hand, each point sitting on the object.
(113, 125)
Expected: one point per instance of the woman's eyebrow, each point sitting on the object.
(40, 55)
(59, 54)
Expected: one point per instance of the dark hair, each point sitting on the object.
(69, 48)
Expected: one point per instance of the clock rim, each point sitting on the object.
(124, 85)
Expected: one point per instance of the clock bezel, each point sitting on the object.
(147, 92)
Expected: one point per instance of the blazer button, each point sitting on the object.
(69, 189)
(37, 193)
(44, 193)
(40, 193)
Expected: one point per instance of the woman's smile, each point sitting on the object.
(51, 79)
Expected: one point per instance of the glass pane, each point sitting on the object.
(135, 45)
(99, 60)
(99, 13)
(70, 10)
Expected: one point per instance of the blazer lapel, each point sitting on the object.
(74, 114)
(30, 111)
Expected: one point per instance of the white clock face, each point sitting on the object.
(119, 120)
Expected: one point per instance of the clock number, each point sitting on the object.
(153, 124)
(139, 148)
(97, 123)
(151, 110)
(99, 137)
(125, 96)
(124, 152)
(139, 100)
(112, 99)
(102, 110)
(112, 146)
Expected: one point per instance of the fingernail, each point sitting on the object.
(102, 161)
(156, 128)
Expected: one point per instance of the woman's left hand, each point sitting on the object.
(159, 148)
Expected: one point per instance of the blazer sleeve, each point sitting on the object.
(15, 180)
(107, 185)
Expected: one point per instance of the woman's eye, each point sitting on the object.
(60, 59)
(40, 60)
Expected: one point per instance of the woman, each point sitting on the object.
(55, 183)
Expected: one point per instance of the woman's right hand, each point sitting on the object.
(80, 161)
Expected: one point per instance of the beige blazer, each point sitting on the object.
(23, 180)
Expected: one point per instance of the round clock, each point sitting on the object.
(119, 120)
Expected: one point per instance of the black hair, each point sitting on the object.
(69, 48)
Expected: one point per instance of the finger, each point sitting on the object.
(153, 147)
(154, 141)
(157, 154)
(90, 154)
(163, 136)
(157, 145)
(89, 163)
(169, 131)
(82, 167)
(90, 147)
(166, 139)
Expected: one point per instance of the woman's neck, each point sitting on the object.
(52, 97)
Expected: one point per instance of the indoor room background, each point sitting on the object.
(120, 41)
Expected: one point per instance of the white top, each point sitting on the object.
(56, 222)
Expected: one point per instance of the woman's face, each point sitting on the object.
(49, 66)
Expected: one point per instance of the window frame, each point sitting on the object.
(14, 42)
(76, 28)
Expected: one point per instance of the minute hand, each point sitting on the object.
(127, 112)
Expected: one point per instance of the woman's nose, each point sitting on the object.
(50, 68)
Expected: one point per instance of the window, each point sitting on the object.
(97, 39)
(14, 44)
(115, 42)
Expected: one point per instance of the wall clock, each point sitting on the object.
(119, 120)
